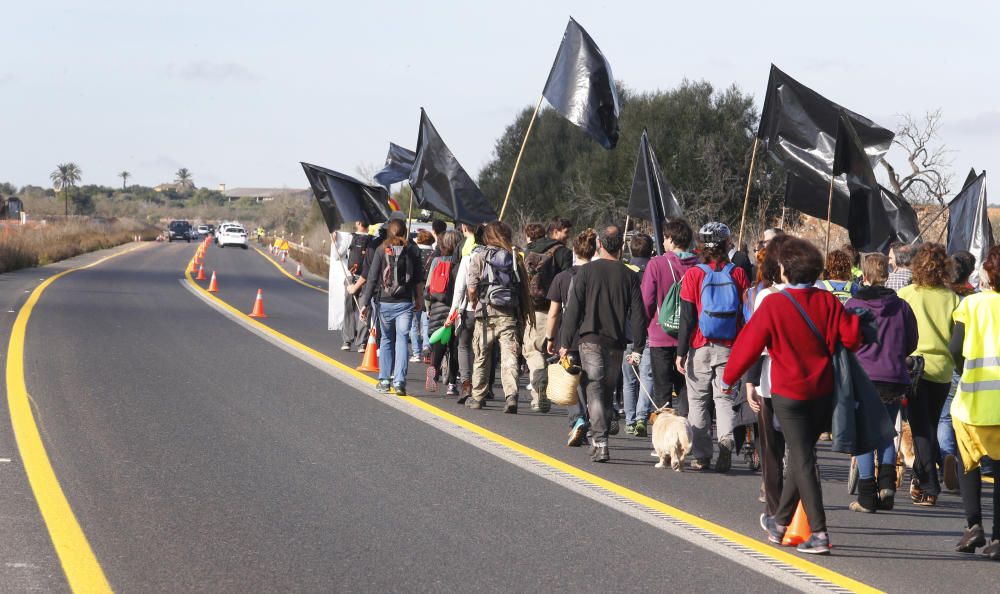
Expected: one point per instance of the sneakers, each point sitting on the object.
(613, 427)
(542, 406)
(577, 433)
(775, 533)
(415, 358)
(920, 497)
(599, 453)
(950, 472)
(431, 383)
(725, 459)
(473, 403)
(345, 347)
(972, 539)
(452, 390)
(698, 465)
(361, 349)
(383, 386)
(817, 544)
(640, 428)
(630, 428)
(510, 405)
(399, 389)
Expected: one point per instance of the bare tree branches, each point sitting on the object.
(928, 179)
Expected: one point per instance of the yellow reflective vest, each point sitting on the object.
(977, 399)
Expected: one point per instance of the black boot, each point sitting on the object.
(867, 497)
(886, 486)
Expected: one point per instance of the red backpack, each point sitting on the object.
(437, 285)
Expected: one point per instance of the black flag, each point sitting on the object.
(970, 178)
(398, 164)
(343, 199)
(968, 221)
(902, 217)
(581, 88)
(439, 182)
(811, 197)
(799, 129)
(867, 222)
(652, 197)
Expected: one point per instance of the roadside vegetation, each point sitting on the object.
(37, 245)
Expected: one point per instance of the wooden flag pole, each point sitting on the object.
(409, 215)
(829, 217)
(517, 163)
(746, 195)
(929, 223)
(621, 252)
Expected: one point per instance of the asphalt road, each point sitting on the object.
(198, 456)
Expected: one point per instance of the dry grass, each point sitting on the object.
(25, 247)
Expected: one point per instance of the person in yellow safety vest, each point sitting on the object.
(260, 235)
(975, 411)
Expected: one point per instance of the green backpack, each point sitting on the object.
(669, 316)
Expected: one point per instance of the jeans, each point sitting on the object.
(465, 335)
(886, 455)
(601, 370)
(945, 430)
(394, 321)
(637, 406)
(418, 333)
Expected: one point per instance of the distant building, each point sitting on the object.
(265, 194)
(169, 187)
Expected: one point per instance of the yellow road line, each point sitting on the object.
(735, 537)
(289, 274)
(83, 572)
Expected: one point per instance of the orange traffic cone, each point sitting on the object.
(798, 531)
(282, 257)
(298, 270)
(370, 361)
(258, 305)
(201, 272)
(213, 286)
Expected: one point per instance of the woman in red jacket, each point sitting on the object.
(801, 378)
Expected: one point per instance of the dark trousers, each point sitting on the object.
(771, 445)
(438, 353)
(924, 411)
(971, 484)
(464, 346)
(602, 368)
(802, 421)
(667, 380)
(355, 332)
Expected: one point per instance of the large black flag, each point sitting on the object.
(398, 164)
(343, 199)
(439, 182)
(652, 197)
(581, 88)
(799, 129)
(810, 197)
(902, 217)
(867, 221)
(968, 221)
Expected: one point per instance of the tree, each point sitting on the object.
(929, 177)
(64, 178)
(124, 175)
(184, 179)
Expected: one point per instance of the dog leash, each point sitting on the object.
(657, 410)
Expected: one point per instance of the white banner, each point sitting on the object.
(338, 280)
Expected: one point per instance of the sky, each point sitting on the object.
(241, 92)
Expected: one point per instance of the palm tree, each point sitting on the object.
(184, 179)
(65, 177)
(124, 175)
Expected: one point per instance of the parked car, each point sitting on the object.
(232, 235)
(180, 230)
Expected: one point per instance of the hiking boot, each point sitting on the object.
(950, 472)
(383, 386)
(466, 392)
(577, 433)
(452, 390)
(473, 403)
(510, 405)
(992, 550)
(815, 545)
(867, 501)
(640, 428)
(698, 465)
(431, 383)
(920, 497)
(775, 533)
(972, 539)
(630, 428)
(613, 427)
(399, 389)
(886, 486)
(599, 453)
(725, 459)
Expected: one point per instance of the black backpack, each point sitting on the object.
(397, 277)
(357, 252)
(500, 285)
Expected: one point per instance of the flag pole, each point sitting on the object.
(409, 215)
(929, 223)
(746, 195)
(517, 163)
(621, 252)
(829, 217)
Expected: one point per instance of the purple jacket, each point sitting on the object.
(885, 361)
(656, 282)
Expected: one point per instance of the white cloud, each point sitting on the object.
(986, 123)
(211, 71)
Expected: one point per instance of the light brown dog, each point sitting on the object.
(672, 439)
(905, 455)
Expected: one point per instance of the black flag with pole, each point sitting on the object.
(968, 221)
(440, 183)
(867, 222)
(343, 199)
(652, 198)
(398, 164)
(581, 87)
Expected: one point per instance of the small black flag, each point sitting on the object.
(343, 199)
(652, 197)
(398, 164)
(581, 88)
(867, 222)
(969, 222)
(439, 182)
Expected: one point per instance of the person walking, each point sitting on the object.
(605, 300)
(398, 285)
(637, 379)
(439, 294)
(900, 275)
(464, 313)
(933, 302)
(355, 333)
(839, 276)
(791, 325)
(711, 303)
(420, 345)
(975, 411)
(885, 363)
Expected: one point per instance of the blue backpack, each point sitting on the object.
(720, 304)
